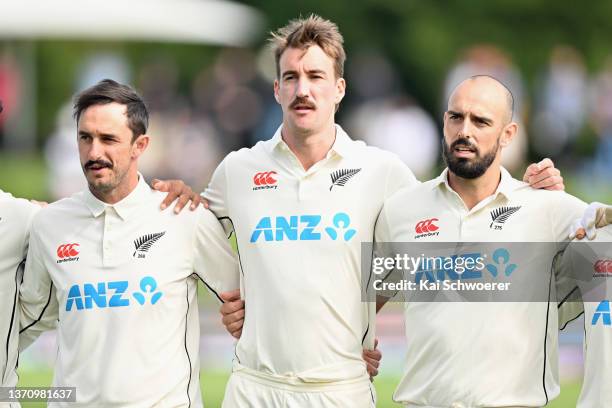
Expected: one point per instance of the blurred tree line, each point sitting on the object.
(422, 38)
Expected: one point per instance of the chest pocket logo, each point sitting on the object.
(342, 176)
(144, 243)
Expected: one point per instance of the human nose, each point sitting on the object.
(303, 88)
(95, 150)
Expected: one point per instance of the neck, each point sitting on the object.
(125, 187)
(309, 148)
(473, 191)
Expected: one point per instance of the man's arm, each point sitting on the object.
(597, 215)
(37, 297)
(214, 260)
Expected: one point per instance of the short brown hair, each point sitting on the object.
(305, 32)
(108, 91)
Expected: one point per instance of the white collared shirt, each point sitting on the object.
(15, 219)
(122, 281)
(590, 263)
(299, 235)
(481, 354)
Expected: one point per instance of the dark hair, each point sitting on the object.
(109, 91)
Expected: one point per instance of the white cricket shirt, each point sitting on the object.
(15, 219)
(299, 237)
(476, 354)
(122, 281)
(590, 262)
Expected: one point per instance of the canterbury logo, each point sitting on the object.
(265, 178)
(426, 226)
(67, 250)
(603, 267)
(341, 177)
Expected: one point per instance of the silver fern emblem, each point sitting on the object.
(340, 177)
(144, 243)
(500, 215)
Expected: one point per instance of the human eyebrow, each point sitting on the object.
(289, 73)
(482, 119)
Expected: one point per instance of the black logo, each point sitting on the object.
(500, 215)
(341, 177)
(144, 243)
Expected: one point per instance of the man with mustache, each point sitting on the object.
(300, 204)
(467, 354)
(117, 275)
(15, 221)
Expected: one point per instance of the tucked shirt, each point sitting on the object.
(472, 354)
(120, 281)
(299, 235)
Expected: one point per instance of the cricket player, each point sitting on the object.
(300, 205)
(117, 275)
(590, 264)
(496, 354)
(15, 219)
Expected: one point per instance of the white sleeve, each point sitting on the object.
(565, 209)
(214, 260)
(398, 177)
(569, 296)
(37, 298)
(216, 195)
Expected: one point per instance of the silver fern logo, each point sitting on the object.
(144, 243)
(342, 176)
(500, 215)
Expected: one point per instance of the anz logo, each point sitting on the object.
(303, 228)
(111, 294)
(602, 314)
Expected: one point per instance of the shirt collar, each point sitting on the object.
(342, 145)
(506, 186)
(125, 207)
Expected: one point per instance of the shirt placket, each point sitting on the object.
(111, 223)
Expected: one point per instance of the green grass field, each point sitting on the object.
(213, 386)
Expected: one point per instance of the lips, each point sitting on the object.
(464, 149)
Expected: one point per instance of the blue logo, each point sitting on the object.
(464, 266)
(303, 228)
(111, 294)
(147, 285)
(501, 257)
(602, 313)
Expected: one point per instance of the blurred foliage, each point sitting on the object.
(59, 62)
(24, 175)
(424, 38)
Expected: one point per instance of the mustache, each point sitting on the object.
(99, 163)
(463, 142)
(302, 101)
